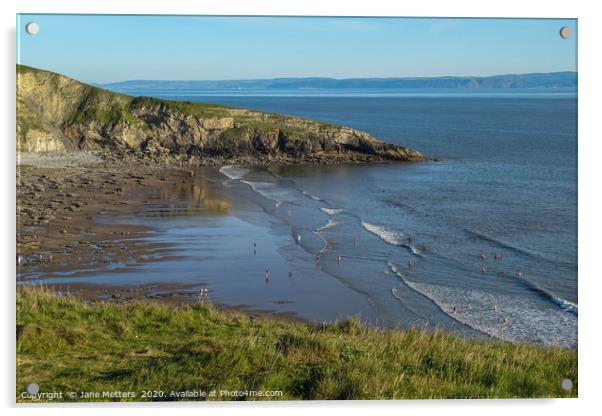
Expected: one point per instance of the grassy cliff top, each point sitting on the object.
(104, 106)
(57, 112)
(64, 344)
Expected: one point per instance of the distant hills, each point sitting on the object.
(551, 80)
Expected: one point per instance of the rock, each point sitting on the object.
(64, 114)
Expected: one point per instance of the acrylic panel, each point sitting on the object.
(295, 208)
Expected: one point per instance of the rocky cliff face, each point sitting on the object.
(57, 113)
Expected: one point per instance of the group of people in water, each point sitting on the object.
(497, 257)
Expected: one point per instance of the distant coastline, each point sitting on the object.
(535, 81)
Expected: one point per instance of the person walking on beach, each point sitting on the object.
(254, 248)
(338, 259)
(267, 276)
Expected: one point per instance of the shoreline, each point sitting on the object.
(56, 213)
(113, 229)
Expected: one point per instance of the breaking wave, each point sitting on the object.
(514, 318)
(393, 237)
(234, 172)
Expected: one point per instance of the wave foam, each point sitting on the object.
(392, 237)
(315, 198)
(512, 318)
(332, 211)
(272, 191)
(331, 223)
(234, 172)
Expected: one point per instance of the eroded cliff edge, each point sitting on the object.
(56, 113)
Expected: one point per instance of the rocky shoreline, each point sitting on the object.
(56, 113)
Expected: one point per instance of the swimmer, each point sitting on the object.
(483, 256)
(410, 264)
(484, 270)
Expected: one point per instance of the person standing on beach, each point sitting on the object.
(267, 276)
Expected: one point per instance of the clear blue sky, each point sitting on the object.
(116, 48)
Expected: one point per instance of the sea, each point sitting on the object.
(481, 242)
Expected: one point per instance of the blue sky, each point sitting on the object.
(115, 48)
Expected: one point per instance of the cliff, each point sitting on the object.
(58, 113)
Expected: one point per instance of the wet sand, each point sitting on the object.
(90, 228)
(58, 209)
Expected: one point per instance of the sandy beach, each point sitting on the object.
(93, 229)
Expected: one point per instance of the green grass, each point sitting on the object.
(112, 109)
(111, 117)
(66, 345)
(187, 108)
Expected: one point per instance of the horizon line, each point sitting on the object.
(339, 79)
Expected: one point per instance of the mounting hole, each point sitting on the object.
(565, 32)
(32, 28)
(566, 384)
(33, 388)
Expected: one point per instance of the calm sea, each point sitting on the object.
(506, 186)
(485, 239)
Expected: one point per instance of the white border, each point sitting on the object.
(589, 170)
